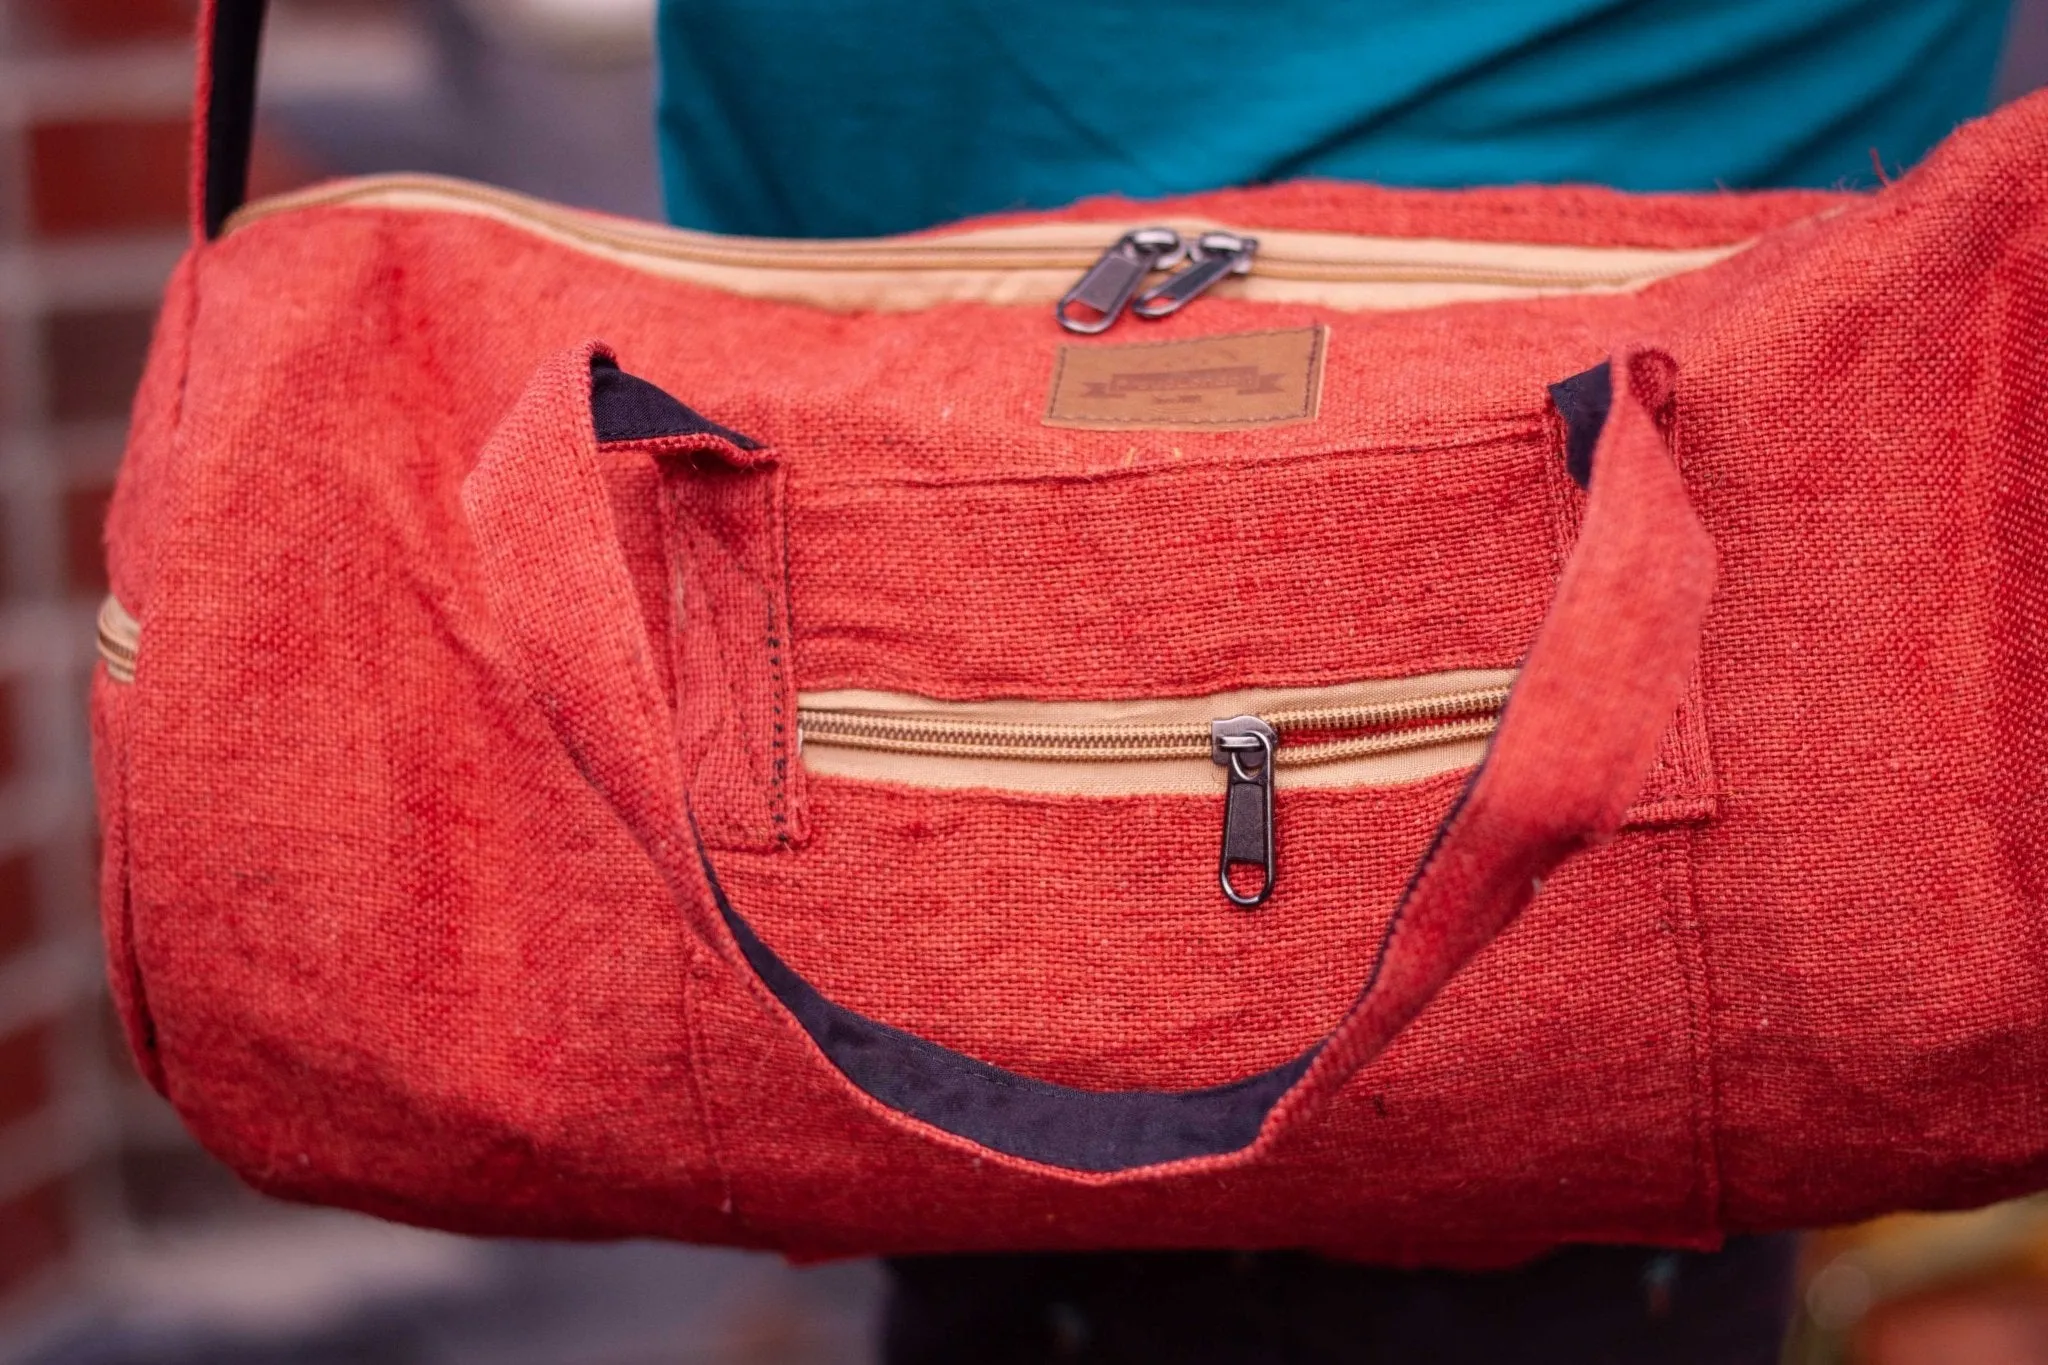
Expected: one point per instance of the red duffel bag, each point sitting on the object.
(1422, 726)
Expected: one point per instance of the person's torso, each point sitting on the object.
(820, 118)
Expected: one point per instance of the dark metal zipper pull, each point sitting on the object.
(1116, 277)
(1243, 747)
(1214, 256)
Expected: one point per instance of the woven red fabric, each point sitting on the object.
(437, 694)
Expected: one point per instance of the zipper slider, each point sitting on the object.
(1214, 256)
(1243, 747)
(1117, 275)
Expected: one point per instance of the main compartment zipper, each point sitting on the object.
(1038, 261)
(1299, 731)
(1214, 257)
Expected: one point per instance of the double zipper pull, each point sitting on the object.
(1213, 257)
(1243, 747)
(1115, 278)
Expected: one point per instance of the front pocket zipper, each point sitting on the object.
(1037, 262)
(1356, 736)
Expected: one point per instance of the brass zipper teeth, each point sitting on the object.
(1371, 746)
(928, 253)
(120, 639)
(1113, 742)
(1368, 715)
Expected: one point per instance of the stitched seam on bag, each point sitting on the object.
(154, 1066)
(1505, 432)
(189, 324)
(1668, 851)
(149, 1061)
(677, 582)
(676, 545)
(734, 718)
(138, 994)
(176, 478)
(696, 973)
(734, 721)
(788, 697)
(1707, 1077)
(778, 740)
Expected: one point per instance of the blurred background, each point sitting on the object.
(122, 1244)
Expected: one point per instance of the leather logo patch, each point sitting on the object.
(1252, 379)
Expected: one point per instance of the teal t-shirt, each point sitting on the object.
(852, 117)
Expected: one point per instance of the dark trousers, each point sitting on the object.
(1581, 1306)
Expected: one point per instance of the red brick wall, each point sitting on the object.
(93, 135)
(92, 129)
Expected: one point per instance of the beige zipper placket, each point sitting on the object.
(1404, 723)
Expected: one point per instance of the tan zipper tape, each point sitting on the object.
(1028, 263)
(1068, 734)
(1423, 726)
(120, 636)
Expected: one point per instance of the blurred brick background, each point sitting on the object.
(118, 1240)
(94, 86)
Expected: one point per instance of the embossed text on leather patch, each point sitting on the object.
(1251, 379)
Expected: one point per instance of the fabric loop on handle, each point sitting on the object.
(558, 584)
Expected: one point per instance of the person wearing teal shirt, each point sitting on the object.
(840, 118)
(828, 118)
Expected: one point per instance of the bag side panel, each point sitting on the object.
(1862, 415)
(402, 957)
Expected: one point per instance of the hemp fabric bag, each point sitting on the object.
(1496, 719)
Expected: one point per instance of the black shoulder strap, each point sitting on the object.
(230, 36)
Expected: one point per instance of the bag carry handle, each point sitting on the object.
(223, 110)
(1595, 694)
